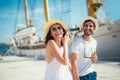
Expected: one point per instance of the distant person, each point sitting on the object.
(4, 53)
(56, 42)
(84, 51)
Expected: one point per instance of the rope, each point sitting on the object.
(32, 7)
(66, 11)
(16, 19)
(106, 10)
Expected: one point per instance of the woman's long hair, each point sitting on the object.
(49, 37)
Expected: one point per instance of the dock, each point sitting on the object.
(22, 68)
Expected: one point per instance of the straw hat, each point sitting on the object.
(92, 19)
(50, 23)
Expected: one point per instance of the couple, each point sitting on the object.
(56, 41)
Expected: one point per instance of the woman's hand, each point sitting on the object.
(65, 39)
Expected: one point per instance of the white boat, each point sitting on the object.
(24, 41)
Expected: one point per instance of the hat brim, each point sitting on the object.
(90, 18)
(50, 23)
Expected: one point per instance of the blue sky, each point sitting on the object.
(12, 13)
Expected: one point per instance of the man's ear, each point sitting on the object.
(94, 28)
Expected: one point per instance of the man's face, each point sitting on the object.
(88, 28)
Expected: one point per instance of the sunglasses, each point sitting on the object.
(55, 29)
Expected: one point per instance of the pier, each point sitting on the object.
(22, 68)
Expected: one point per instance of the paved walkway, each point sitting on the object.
(21, 68)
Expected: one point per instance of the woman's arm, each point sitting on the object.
(55, 51)
(75, 67)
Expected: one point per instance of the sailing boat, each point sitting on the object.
(107, 35)
(24, 41)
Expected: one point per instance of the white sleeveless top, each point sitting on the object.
(57, 71)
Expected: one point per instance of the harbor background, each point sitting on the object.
(9, 14)
(23, 68)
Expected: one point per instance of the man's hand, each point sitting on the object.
(94, 58)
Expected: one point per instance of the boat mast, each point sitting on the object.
(46, 9)
(26, 13)
(92, 7)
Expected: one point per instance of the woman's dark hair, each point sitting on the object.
(49, 37)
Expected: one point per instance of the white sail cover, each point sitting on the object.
(23, 33)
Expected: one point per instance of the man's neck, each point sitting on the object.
(87, 38)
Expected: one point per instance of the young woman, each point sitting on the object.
(57, 51)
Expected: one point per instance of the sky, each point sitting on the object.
(12, 13)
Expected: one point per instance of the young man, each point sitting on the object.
(84, 51)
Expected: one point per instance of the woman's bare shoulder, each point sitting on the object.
(50, 43)
(52, 46)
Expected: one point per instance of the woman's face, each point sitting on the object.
(56, 31)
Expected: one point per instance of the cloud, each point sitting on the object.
(11, 15)
(41, 10)
(4, 15)
(38, 10)
(20, 15)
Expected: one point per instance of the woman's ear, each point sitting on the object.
(51, 35)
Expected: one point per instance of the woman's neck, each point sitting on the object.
(58, 42)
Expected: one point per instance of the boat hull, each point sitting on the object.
(34, 53)
(109, 47)
(108, 39)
